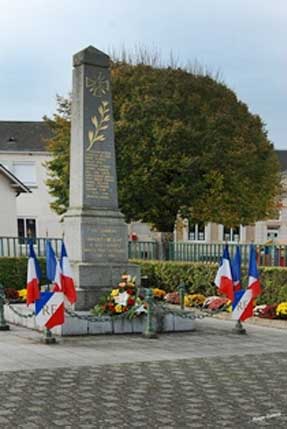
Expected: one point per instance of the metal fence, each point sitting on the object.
(143, 250)
(19, 246)
(267, 255)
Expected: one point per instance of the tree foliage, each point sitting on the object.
(59, 147)
(184, 144)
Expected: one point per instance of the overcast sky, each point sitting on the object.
(246, 40)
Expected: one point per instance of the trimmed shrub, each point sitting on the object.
(167, 275)
(13, 272)
(199, 277)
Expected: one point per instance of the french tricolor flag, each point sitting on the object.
(223, 279)
(236, 269)
(244, 299)
(33, 276)
(242, 305)
(67, 281)
(253, 275)
(49, 310)
(53, 269)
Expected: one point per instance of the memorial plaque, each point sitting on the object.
(95, 231)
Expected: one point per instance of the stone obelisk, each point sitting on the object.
(95, 232)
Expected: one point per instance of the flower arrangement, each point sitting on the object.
(194, 300)
(258, 309)
(215, 303)
(158, 293)
(11, 294)
(124, 298)
(22, 294)
(267, 312)
(172, 298)
(281, 310)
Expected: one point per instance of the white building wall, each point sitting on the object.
(37, 204)
(8, 223)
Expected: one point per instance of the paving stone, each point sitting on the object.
(212, 391)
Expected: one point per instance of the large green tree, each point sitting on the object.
(184, 145)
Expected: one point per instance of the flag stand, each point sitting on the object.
(48, 337)
(238, 328)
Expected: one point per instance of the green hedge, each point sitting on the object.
(198, 277)
(13, 272)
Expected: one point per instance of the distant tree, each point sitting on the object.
(59, 147)
(185, 145)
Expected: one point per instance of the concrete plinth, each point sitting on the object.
(74, 326)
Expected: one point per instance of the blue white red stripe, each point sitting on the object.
(49, 309)
(236, 270)
(223, 279)
(67, 281)
(53, 268)
(253, 275)
(33, 276)
(242, 305)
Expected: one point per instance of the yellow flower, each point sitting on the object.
(281, 309)
(229, 308)
(130, 284)
(187, 300)
(194, 299)
(118, 308)
(22, 293)
(160, 293)
(115, 292)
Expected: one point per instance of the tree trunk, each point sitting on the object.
(163, 245)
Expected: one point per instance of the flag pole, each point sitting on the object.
(238, 328)
(48, 336)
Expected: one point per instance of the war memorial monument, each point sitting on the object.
(95, 231)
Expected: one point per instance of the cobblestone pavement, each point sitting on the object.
(230, 392)
(204, 385)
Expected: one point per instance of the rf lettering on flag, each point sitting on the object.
(243, 302)
(49, 309)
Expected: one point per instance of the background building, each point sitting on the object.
(23, 151)
(261, 232)
(10, 189)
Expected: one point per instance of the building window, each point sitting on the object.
(231, 234)
(26, 172)
(272, 233)
(196, 232)
(26, 228)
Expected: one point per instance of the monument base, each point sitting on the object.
(108, 324)
(97, 279)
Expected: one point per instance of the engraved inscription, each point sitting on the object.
(99, 178)
(105, 243)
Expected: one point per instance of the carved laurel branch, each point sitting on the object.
(100, 124)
